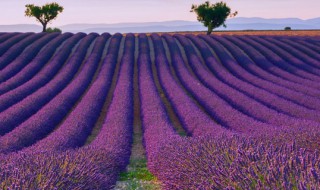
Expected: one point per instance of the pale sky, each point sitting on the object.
(110, 11)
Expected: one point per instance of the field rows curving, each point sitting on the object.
(214, 112)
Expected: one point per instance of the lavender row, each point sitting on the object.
(19, 112)
(297, 100)
(236, 163)
(5, 37)
(35, 65)
(293, 124)
(301, 45)
(278, 61)
(45, 75)
(310, 45)
(194, 120)
(272, 68)
(17, 49)
(294, 96)
(224, 162)
(257, 91)
(74, 169)
(116, 132)
(236, 99)
(25, 57)
(293, 128)
(282, 64)
(92, 167)
(259, 66)
(51, 114)
(307, 60)
(311, 72)
(216, 106)
(11, 40)
(79, 123)
(157, 128)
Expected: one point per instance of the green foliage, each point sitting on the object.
(287, 28)
(212, 15)
(138, 176)
(49, 30)
(140, 171)
(43, 14)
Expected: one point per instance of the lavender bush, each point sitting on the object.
(236, 163)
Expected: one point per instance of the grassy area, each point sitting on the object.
(138, 170)
(138, 177)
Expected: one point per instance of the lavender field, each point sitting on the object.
(214, 112)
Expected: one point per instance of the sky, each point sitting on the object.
(118, 11)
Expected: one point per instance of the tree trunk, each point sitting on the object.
(44, 27)
(209, 29)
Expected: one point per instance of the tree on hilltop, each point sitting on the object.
(212, 15)
(44, 14)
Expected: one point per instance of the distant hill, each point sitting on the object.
(240, 23)
(20, 28)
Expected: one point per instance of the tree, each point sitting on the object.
(287, 28)
(212, 15)
(44, 14)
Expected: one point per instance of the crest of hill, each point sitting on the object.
(239, 23)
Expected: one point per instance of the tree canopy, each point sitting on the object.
(44, 14)
(212, 15)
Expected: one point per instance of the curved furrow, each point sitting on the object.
(194, 120)
(301, 45)
(258, 65)
(43, 77)
(26, 57)
(311, 46)
(116, 132)
(169, 107)
(18, 113)
(259, 94)
(78, 125)
(289, 58)
(157, 127)
(51, 114)
(173, 117)
(6, 36)
(238, 100)
(11, 41)
(18, 48)
(32, 69)
(311, 40)
(102, 115)
(251, 58)
(262, 61)
(313, 64)
(279, 61)
(296, 97)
